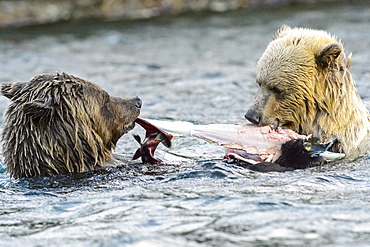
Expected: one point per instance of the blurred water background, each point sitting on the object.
(197, 67)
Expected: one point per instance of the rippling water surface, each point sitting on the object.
(197, 68)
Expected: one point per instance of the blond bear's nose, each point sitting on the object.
(253, 116)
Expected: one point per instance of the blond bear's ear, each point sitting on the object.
(328, 56)
(281, 31)
(12, 90)
(349, 61)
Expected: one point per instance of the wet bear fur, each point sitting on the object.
(304, 81)
(57, 124)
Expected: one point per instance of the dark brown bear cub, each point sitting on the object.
(60, 123)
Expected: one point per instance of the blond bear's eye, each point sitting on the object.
(276, 90)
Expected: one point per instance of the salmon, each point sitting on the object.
(247, 143)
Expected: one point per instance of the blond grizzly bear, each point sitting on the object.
(304, 81)
(60, 123)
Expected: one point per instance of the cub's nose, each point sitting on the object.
(253, 116)
(138, 102)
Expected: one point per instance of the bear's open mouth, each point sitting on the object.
(288, 125)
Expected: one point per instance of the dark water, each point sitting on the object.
(197, 68)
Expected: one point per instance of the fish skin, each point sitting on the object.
(153, 137)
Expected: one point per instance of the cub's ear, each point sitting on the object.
(328, 56)
(281, 31)
(349, 61)
(37, 109)
(11, 90)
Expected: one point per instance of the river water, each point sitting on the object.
(198, 68)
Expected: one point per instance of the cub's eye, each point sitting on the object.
(276, 90)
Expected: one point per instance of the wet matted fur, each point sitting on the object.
(60, 123)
